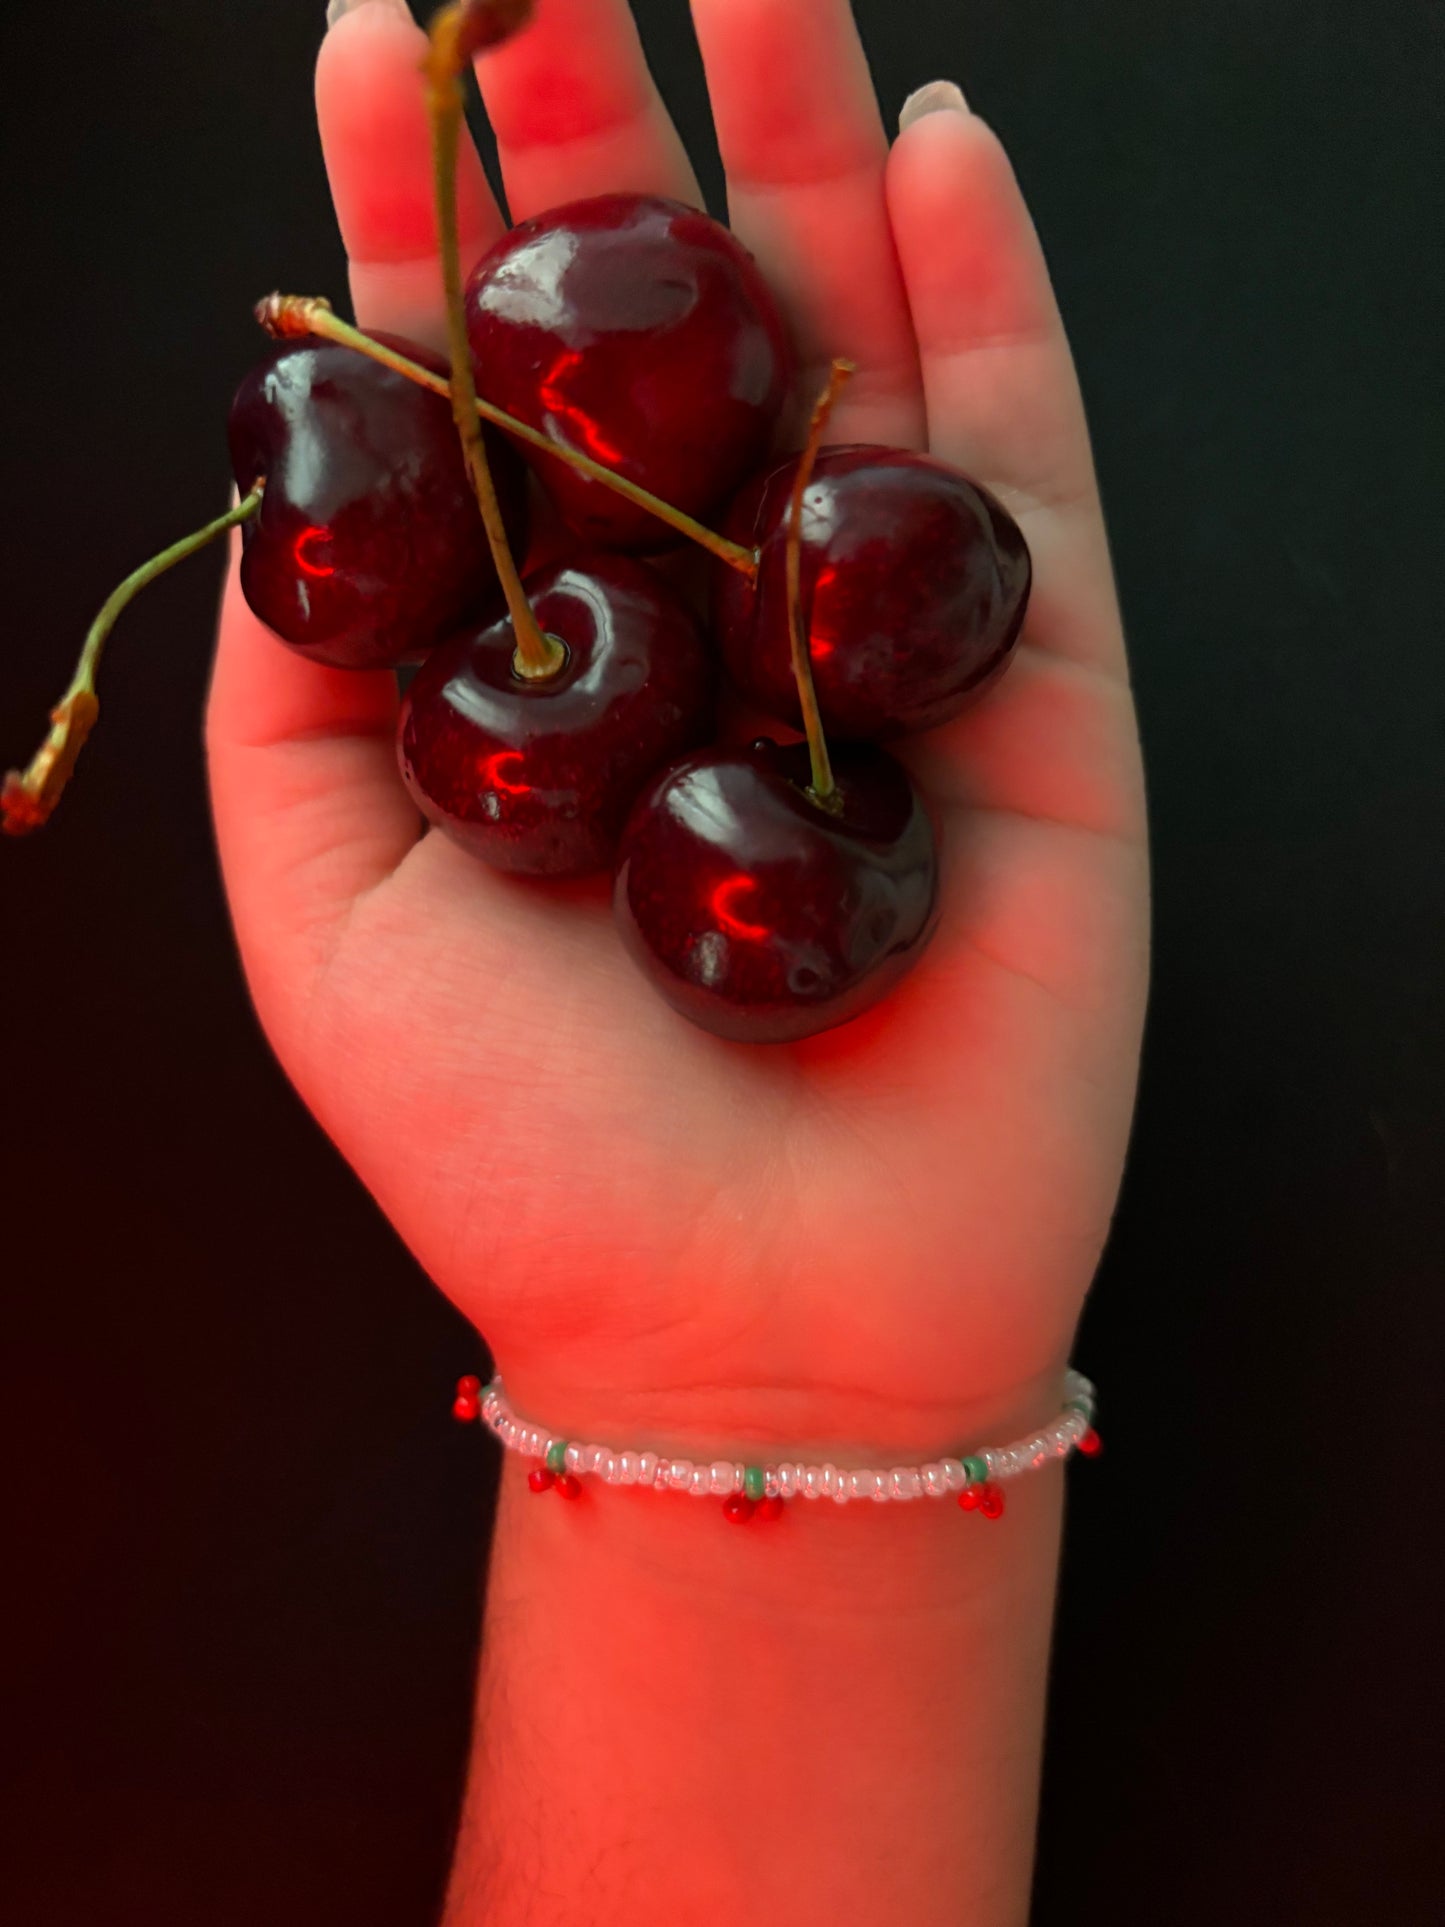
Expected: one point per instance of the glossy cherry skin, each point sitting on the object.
(914, 582)
(368, 546)
(538, 777)
(760, 915)
(640, 332)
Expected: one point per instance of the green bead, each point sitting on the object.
(1078, 1405)
(753, 1481)
(557, 1456)
(975, 1470)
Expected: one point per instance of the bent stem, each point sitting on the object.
(453, 33)
(29, 796)
(823, 790)
(291, 316)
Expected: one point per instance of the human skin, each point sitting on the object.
(871, 1246)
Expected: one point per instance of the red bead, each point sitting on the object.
(569, 1487)
(539, 1478)
(738, 1508)
(990, 1502)
(1091, 1445)
(464, 1408)
(770, 1508)
(970, 1496)
(468, 1387)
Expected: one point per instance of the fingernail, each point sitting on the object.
(937, 97)
(338, 7)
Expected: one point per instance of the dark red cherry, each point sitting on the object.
(913, 584)
(761, 915)
(368, 546)
(538, 776)
(639, 331)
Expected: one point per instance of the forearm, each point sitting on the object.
(832, 1718)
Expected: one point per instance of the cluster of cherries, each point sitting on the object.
(564, 723)
(642, 333)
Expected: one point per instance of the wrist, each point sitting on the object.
(688, 1707)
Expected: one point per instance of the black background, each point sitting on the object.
(246, 1546)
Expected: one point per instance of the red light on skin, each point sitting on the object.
(492, 772)
(556, 403)
(723, 898)
(309, 563)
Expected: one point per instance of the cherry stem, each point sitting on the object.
(823, 789)
(295, 315)
(28, 797)
(451, 34)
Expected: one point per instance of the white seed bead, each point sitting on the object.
(679, 1474)
(911, 1481)
(954, 1475)
(724, 1477)
(536, 1442)
(573, 1458)
(701, 1485)
(627, 1468)
(508, 1431)
(1038, 1450)
(646, 1467)
(859, 1485)
(607, 1466)
(812, 1485)
(787, 1480)
(828, 1479)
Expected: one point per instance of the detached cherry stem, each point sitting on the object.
(292, 316)
(823, 790)
(28, 797)
(455, 33)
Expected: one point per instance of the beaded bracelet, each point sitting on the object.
(764, 1489)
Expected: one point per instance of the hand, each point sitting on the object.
(884, 1233)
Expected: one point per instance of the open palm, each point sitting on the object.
(649, 1225)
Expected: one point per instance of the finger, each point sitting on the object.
(1003, 401)
(1003, 398)
(576, 113)
(805, 151)
(371, 109)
